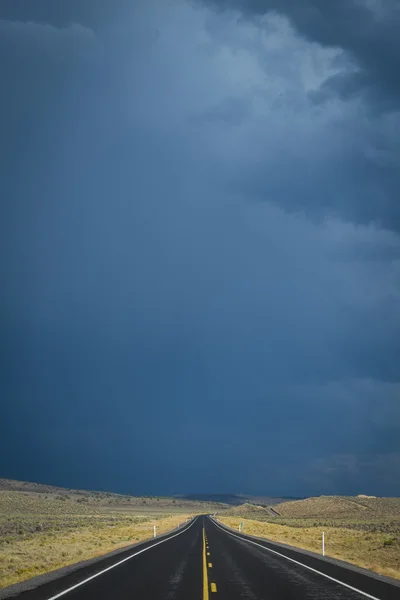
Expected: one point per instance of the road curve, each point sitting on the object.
(205, 561)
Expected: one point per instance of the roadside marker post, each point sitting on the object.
(323, 543)
(155, 531)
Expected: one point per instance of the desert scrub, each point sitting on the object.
(341, 507)
(22, 558)
(23, 504)
(373, 525)
(372, 550)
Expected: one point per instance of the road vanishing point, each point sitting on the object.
(204, 560)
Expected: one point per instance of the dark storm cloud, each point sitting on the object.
(61, 14)
(149, 297)
(367, 31)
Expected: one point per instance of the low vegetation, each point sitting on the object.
(361, 530)
(44, 528)
(66, 542)
(239, 499)
(251, 511)
(341, 507)
(108, 500)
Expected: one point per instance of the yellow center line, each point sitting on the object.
(210, 564)
(213, 587)
(205, 574)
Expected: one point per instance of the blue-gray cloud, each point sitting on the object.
(200, 246)
(364, 33)
(367, 29)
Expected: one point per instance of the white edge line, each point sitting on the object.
(119, 563)
(298, 563)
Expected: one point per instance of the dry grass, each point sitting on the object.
(19, 503)
(24, 558)
(251, 511)
(341, 507)
(379, 552)
(39, 534)
(107, 500)
(43, 527)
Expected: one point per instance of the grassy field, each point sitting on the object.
(338, 507)
(108, 500)
(44, 528)
(251, 511)
(364, 531)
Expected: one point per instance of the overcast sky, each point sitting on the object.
(200, 242)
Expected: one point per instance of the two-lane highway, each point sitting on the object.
(250, 568)
(169, 568)
(205, 561)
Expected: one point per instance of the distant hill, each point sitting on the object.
(191, 502)
(342, 507)
(237, 499)
(109, 499)
(250, 511)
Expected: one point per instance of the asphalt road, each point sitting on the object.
(205, 561)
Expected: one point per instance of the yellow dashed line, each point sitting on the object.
(205, 574)
(213, 587)
(208, 554)
(210, 565)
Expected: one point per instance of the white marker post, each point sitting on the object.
(323, 543)
(155, 531)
